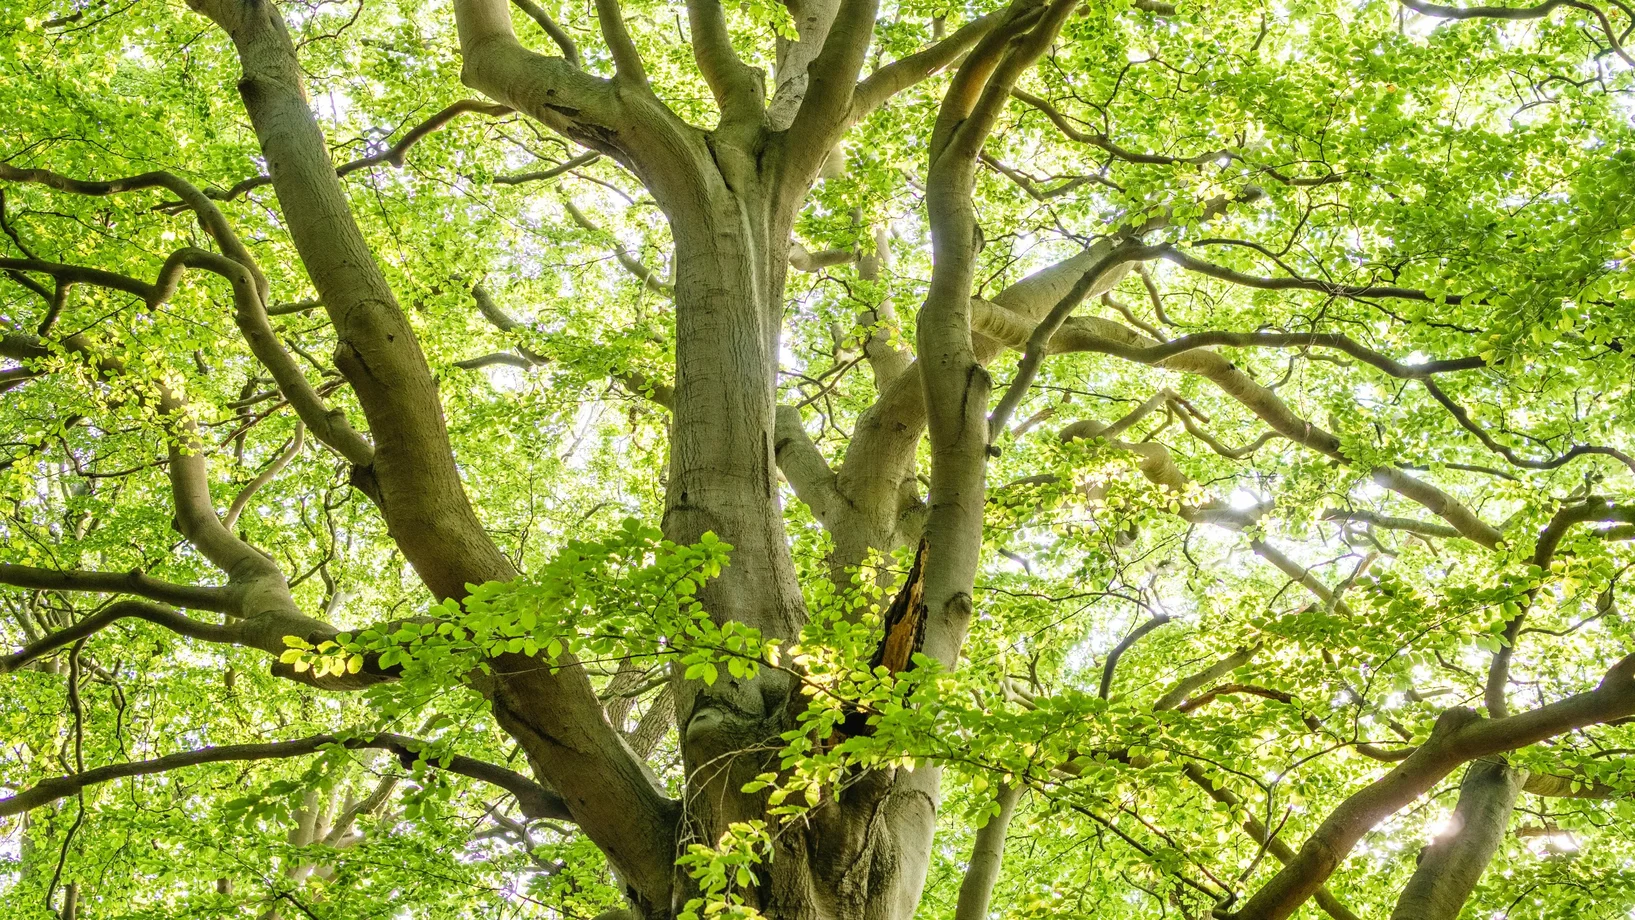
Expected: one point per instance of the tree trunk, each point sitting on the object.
(864, 855)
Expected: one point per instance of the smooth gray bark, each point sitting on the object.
(1451, 865)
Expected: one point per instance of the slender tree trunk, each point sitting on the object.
(987, 854)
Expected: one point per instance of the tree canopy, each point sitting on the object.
(816, 459)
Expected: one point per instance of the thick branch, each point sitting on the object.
(627, 61)
(1451, 865)
(737, 86)
(906, 72)
(552, 90)
(831, 81)
(802, 259)
(412, 476)
(803, 465)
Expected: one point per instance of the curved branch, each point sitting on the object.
(1422, 528)
(1261, 834)
(803, 465)
(1039, 340)
(566, 166)
(831, 85)
(1106, 144)
(1544, 551)
(1104, 336)
(1123, 646)
(627, 61)
(649, 278)
(737, 87)
(987, 855)
(536, 801)
(266, 476)
(1460, 736)
(79, 274)
(1187, 414)
(113, 613)
(393, 154)
(137, 582)
(1515, 459)
(208, 215)
(1381, 362)
(237, 266)
(1352, 291)
(636, 381)
(1183, 688)
(1514, 14)
(329, 425)
(570, 51)
(1107, 337)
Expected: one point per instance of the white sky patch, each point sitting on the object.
(1420, 27)
(334, 106)
(505, 378)
(587, 416)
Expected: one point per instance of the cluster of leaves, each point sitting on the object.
(630, 597)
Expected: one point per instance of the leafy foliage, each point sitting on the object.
(1483, 168)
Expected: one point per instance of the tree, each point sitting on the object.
(1187, 470)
